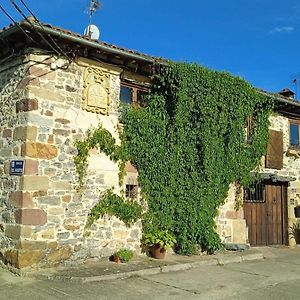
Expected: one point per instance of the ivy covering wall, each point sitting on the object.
(188, 145)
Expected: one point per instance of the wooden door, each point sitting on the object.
(265, 210)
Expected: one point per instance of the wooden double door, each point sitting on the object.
(265, 211)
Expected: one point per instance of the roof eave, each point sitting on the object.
(88, 43)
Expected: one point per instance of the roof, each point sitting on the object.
(31, 32)
(285, 105)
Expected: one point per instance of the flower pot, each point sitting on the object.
(297, 236)
(117, 259)
(158, 251)
(297, 211)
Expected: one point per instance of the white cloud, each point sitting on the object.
(282, 29)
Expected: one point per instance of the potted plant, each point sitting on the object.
(158, 242)
(122, 256)
(297, 211)
(295, 231)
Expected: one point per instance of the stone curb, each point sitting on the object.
(221, 260)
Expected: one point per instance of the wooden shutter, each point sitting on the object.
(274, 157)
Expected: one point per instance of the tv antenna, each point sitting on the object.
(90, 30)
(295, 83)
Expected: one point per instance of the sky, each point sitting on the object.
(258, 40)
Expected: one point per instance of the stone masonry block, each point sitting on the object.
(47, 94)
(48, 113)
(29, 216)
(31, 167)
(31, 245)
(60, 185)
(26, 105)
(29, 258)
(233, 214)
(39, 120)
(62, 121)
(21, 199)
(60, 254)
(50, 200)
(25, 133)
(7, 133)
(40, 72)
(11, 257)
(7, 167)
(34, 183)
(39, 150)
(13, 231)
(6, 152)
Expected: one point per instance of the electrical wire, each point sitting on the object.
(58, 51)
(16, 23)
(41, 25)
(28, 21)
(25, 17)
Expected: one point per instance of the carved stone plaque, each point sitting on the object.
(96, 93)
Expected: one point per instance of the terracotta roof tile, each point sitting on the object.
(68, 32)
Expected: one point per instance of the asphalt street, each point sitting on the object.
(277, 277)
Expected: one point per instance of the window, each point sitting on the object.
(132, 93)
(126, 95)
(294, 134)
(255, 193)
(131, 191)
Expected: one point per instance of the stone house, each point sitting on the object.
(55, 85)
(268, 207)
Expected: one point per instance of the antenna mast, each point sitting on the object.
(295, 81)
(95, 4)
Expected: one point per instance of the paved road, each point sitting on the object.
(273, 278)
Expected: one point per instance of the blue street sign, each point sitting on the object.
(16, 167)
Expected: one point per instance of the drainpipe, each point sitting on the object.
(95, 45)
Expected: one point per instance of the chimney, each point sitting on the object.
(287, 93)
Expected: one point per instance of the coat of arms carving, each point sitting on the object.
(96, 93)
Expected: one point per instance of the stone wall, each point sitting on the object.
(13, 93)
(46, 105)
(291, 167)
(42, 211)
(231, 225)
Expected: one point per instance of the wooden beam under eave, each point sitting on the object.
(115, 60)
(147, 69)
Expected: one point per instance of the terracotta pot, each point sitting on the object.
(297, 211)
(117, 259)
(157, 251)
(297, 236)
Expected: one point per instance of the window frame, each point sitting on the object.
(259, 189)
(132, 192)
(135, 88)
(295, 122)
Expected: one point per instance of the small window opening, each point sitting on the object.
(131, 191)
(255, 193)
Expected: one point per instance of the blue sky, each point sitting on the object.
(258, 40)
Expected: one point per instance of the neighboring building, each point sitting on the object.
(49, 99)
(268, 207)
